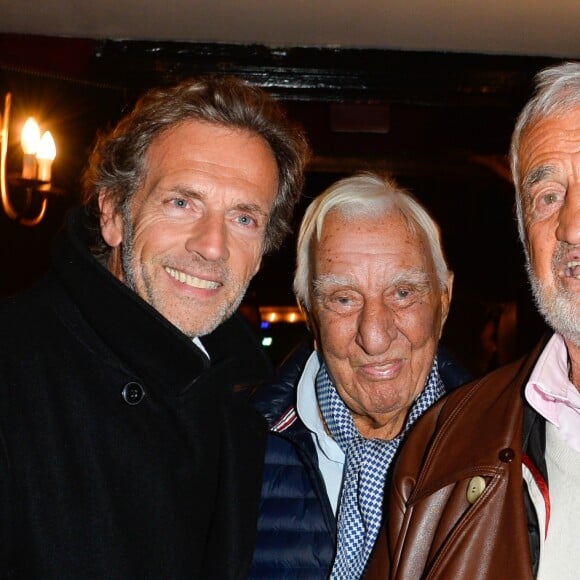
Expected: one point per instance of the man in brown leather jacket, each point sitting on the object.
(486, 485)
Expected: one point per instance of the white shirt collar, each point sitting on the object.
(199, 344)
(308, 410)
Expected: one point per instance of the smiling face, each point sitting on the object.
(194, 233)
(377, 311)
(550, 178)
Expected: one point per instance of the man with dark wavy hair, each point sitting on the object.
(124, 455)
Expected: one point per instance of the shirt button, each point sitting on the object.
(475, 488)
(506, 455)
(133, 393)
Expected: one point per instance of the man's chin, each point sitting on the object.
(563, 315)
(199, 317)
(202, 323)
(201, 329)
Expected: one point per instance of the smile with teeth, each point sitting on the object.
(192, 280)
(571, 270)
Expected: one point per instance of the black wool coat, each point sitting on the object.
(123, 454)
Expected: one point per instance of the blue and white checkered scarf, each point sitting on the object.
(366, 465)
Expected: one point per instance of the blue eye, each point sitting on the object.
(344, 300)
(179, 202)
(342, 303)
(245, 220)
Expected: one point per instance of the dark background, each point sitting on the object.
(439, 123)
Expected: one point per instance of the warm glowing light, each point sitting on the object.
(45, 156)
(30, 136)
(46, 147)
(281, 314)
(29, 140)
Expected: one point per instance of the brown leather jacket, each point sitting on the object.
(470, 439)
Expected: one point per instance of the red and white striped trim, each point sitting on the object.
(287, 419)
(542, 486)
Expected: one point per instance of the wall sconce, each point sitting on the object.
(38, 155)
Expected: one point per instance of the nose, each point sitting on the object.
(376, 327)
(568, 229)
(208, 238)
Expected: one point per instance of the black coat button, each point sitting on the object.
(506, 455)
(133, 393)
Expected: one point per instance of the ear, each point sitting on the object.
(311, 325)
(257, 268)
(111, 220)
(446, 298)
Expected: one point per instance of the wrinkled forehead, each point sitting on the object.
(388, 241)
(362, 218)
(548, 150)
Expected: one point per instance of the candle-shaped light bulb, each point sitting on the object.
(29, 140)
(45, 156)
(30, 136)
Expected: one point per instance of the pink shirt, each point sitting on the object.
(552, 395)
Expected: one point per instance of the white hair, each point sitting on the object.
(557, 92)
(363, 195)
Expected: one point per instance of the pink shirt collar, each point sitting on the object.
(552, 395)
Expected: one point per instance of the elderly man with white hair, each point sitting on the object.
(373, 281)
(487, 485)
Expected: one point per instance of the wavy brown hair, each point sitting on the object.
(118, 162)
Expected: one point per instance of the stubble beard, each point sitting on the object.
(559, 306)
(197, 328)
